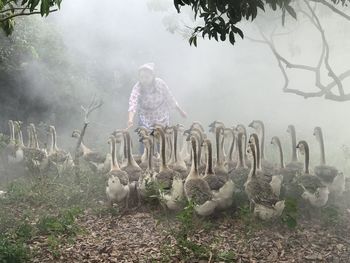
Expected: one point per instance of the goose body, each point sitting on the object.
(132, 168)
(223, 193)
(117, 188)
(239, 175)
(329, 175)
(197, 190)
(166, 175)
(260, 193)
(314, 191)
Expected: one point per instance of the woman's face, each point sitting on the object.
(146, 77)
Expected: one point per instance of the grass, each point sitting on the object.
(45, 206)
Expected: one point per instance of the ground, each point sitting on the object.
(65, 219)
(142, 236)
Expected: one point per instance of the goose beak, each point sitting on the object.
(152, 133)
(186, 132)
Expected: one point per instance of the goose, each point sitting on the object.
(132, 168)
(288, 172)
(36, 159)
(239, 175)
(220, 168)
(314, 191)
(232, 156)
(19, 142)
(259, 127)
(213, 128)
(10, 150)
(200, 137)
(98, 161)
(268, 175)
(263, 200)
(281, 172)
(222, 191)
(147, 176)
(117, 189)
(142, 131)
(55, 154)
(169, 138)
(240, 128)
(294, 165)
(164, 178)
(329, 175)
(179, 164)
(196, 188)
(185, 155)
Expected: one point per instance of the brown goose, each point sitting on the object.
(117, 188)
(239, 175)
(166, 175)
(132, 168)
(178, 165)
(55, 154)
(260, 194)
(259, 127)
(294, 165)
(197, 190)
(98, 161)
(314, 190)
(329, 175)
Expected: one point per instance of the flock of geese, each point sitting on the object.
(183, 166)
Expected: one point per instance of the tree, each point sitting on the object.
(10, 9)
(221, 17)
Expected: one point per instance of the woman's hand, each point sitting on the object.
(183, 113)
(130, 124)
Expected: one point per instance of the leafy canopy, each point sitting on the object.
(220, 17)
(10, 9)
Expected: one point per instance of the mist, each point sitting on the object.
(235, 84)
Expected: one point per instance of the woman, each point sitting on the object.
(151, 99)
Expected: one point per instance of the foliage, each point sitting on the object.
(330, 215)
(221, 17)
(10, 9)
(290, 213)
(63, 224)
(12, 251)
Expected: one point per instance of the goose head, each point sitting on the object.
(318, 133)
(256, 125)
(303, 147)
(291, 129)
(197, 125)
(216, 124)
(142, 131)
(76, 134)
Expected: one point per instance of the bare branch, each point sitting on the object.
(333, 8)
(94, 104)
(283, 63)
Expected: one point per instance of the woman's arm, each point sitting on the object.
(181, 111)
(131, 119)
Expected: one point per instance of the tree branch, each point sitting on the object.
(283, 63)
(23, 14)
(333, 8)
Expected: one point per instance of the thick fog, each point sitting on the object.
(235, 84)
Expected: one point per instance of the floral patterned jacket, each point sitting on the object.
(153, 104)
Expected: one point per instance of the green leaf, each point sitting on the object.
(291, 11)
